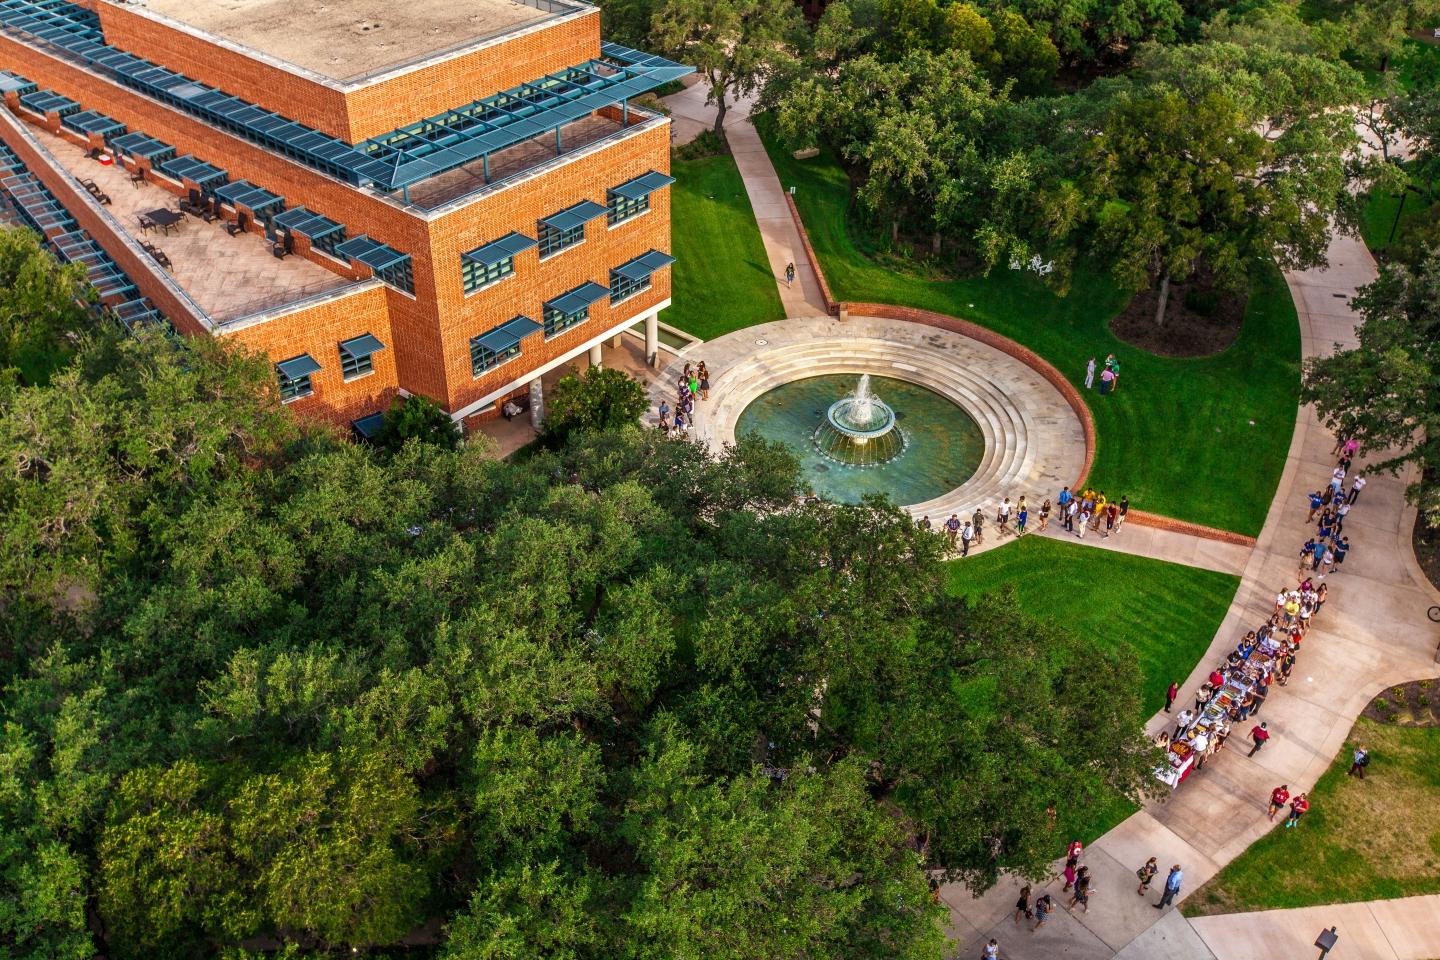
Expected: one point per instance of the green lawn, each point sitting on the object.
(1377, 220)
(1162, 614)
(721, 279)
(1202, 440)
(1375, 839)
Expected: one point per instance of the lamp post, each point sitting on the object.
(1326, 941)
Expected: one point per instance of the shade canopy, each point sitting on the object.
(14, 83)
(243, 193)
(138, 144)
(307, 223)
(92, 121)
(644, 265)
(643, 185)
(372, 253)
(48, 101)
(297, 367)
(508, 334)
(579, 298)
(507, 246)
(362, 346)
(369, 427)
(575, 216)
(196, 171)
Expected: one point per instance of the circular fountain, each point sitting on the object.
(859, 430)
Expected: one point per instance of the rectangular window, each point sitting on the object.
(355, 365)
(620, 208)
(558, 320)
(622, 286)
(399, 276)
(482, 358)
(477, 275)
(293, 388)
(552, 241)
(328, 242)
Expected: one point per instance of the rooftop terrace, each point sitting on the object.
(347, 40)
(227, 277)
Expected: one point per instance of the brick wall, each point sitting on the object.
(373, 107)
(517, 208)
(318, 331)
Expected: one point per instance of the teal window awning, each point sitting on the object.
(48, 101)
(372, 253)
(643, 185)
(508, 334)
(369, 427)
(579, 298)
(297, 367)
(644, 265)
(14, 83)
(362, 346)
(307, 223)
(91, 121)
(243, 193)
(138, 144)
(196, 171)
(492, 253)
(575, 216)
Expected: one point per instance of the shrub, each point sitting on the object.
(601, 398)
(705, 145)
(417, 418)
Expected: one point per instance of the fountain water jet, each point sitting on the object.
(859, 430)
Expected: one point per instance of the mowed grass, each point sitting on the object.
(1384, 222)
(1202, 440)
(721, 279)
(1375, 839)
(1163, 615)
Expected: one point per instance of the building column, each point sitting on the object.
(615, 341)
(652, 338)
(537, 403)
(595, 355)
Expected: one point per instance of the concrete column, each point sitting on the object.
(615, 341)
(652, 338)
(595, 355)
(537, 403)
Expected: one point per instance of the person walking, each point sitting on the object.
(1022, 905)
(966, 535)
(1359, 760)
(1171, 694)
(1278, 798)
(1044, 516)
(1258, 735)
(789, 275)
(1146, 874)
(1124, 509)
(1112, 514)
(1043, 906)
(1020, 520)
(1070, 872)
(1317, 500)
(1298, 808)
(1355, 487)
(1083, 889)
(1339, 548)
(952, 529)
(1172, 887)
(1083, 522)
(978, 519)
(1090, 374)
(1002, 516)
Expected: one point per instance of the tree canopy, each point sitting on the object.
(266, 689)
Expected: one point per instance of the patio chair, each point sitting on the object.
(146, 224)
(137, 179)
(161, 259)
(101, 196)
(242, 220)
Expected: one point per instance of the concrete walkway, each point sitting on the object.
(1373, 633)
(1407, 929)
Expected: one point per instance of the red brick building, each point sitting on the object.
(445, 197)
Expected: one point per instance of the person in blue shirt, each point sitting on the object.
(1317, 500)
(1172, 887)
(1065, 497)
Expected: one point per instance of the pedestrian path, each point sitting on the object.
(1405, 929)
(1373, 633)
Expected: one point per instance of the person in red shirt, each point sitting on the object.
(1259, 735)
(1278, 798)
(1170, 696)
(1217, 679)
(1298, 806)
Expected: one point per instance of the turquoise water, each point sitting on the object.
(943, 445)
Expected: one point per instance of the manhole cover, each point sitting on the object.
(761, 342)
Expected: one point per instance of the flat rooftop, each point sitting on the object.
(346, 40)
(227, 277)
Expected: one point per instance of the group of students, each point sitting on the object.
(694, 383)
(1325, 550)
(1077, 513)
(1109, 377)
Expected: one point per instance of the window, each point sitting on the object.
(477, 275)
(622, 286)
(398, 275)
(328, 242)
(623, 208)
(293, 388)
(557, 320)
(552, 240)
(357, 356)
(294, 375)
(483, 358)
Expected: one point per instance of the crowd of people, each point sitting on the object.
(1075, 512)
(692, 385)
